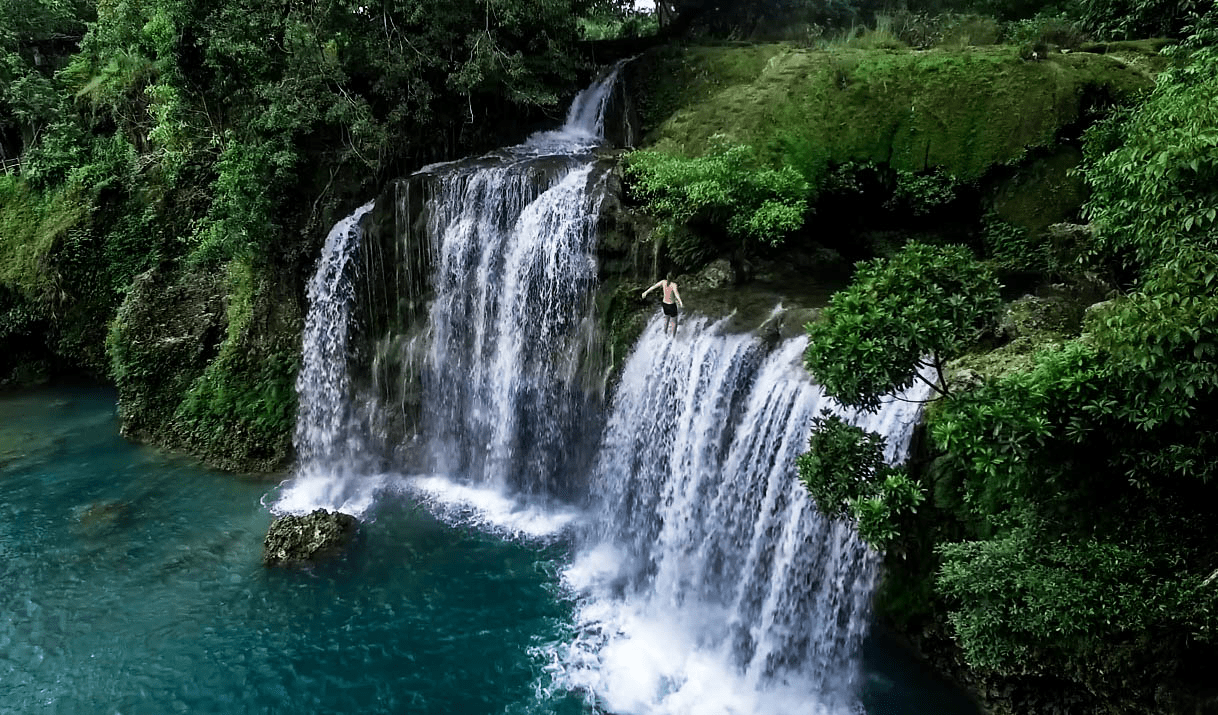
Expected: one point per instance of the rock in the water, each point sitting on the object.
(297, 540)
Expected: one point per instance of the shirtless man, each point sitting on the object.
(672, 299)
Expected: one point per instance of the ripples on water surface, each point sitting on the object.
(131, 582)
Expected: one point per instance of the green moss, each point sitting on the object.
(161, 339)
(1045, 191)
(624, 316)
(54, 269)
(207, 363)
(961, 111)
(240, 411)
(674, 77)
(1030, 325)
(31, 225)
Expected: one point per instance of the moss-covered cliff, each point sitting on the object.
(962, 111)
(975, 144)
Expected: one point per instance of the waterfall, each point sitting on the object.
(455, 358)
(507, 399)
(505, 361)
(330, 438)
(514, 276)
(708, 582)
(323, 383)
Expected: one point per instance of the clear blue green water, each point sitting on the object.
(131, 582)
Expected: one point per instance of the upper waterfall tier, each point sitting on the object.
(457, 334)
(583, 131)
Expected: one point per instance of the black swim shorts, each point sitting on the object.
(670, 309)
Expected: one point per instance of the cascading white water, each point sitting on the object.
(329, 438)
(323, 383)
(584, 128)
(705, 580)
(513, 282)
(709, 583)
(512, 240)
(515, 266)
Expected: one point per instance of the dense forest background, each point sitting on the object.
(170, 166)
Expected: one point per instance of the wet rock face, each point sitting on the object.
(300, 540)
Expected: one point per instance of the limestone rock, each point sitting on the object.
(1031, 316)
(298, 540)
(716, 275)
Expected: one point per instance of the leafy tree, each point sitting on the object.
(1088, 483)
(845, 473)
(899, 316)
(35, 38)
(743, 18)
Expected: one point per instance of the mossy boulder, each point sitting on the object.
(1028, 325)
(303, 539)
(1044, 191)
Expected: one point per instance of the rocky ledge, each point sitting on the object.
(300, 540)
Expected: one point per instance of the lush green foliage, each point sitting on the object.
(1085, 484)
(1131, 19)
(843, 463)
(1019, 250)
(35, 35)
(615, 22)
(1091, 476)
(1154, 170)
(200, 137)
(845, 472)
(1063, 607)
(899, 316)
(728, 190)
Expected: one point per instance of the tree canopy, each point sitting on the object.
(899, 316)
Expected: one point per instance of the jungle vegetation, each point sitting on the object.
(1063, 529)
(181, 140)
(170, 165)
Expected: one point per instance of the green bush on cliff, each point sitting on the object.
(898, 317)
(1088, 482)
(959, 111)
(921, 194)
(726, 191)
(1154, 169)
(845, 473)
(1060, 607)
